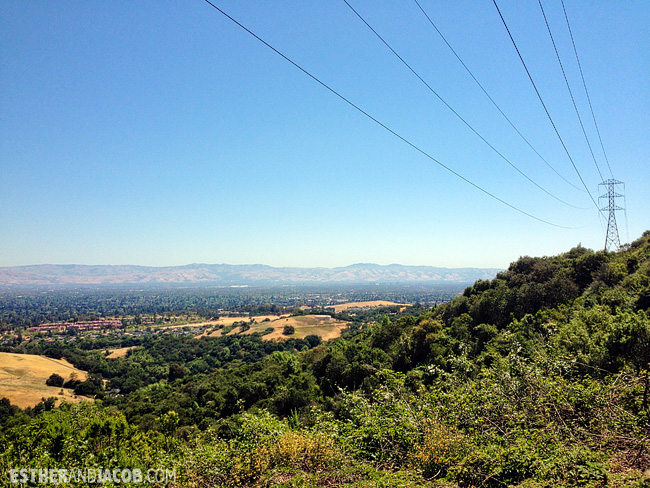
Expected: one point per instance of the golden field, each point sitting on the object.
(23, 376)
(370, 304)
(304, 325)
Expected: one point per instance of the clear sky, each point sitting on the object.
(161, 133)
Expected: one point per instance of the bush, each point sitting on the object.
(55, 380)
(289, 329)
(313, 340)
(261, 445)
(71, 384)
(87, 388)
(176, 371)
(440, 449)
(306, 451)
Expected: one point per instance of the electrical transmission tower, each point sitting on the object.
(612, 241)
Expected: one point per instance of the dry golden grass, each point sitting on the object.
(23, 376)
(305, 325)
(231, 320)
(370, 304)
(323, 326)
(119, 353)
(226, 321)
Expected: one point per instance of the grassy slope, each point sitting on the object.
(23, 376)
(304, 325)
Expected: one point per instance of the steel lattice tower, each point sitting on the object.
(612, 240)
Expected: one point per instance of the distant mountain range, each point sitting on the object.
(234, 275)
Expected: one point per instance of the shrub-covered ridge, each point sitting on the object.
(536, 378)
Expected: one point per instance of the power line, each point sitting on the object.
(612, 217)
(382, 125)
(584, 84)
(566, 81)
(544, 105)
(490, 97)
(453, 110)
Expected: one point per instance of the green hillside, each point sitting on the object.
(537, 378)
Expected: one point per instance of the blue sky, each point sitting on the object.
(160, 133)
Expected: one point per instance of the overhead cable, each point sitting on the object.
(584, 84)
(453, 110)
(382, 125)
(490, 97)
(566, 81)
(544, 105)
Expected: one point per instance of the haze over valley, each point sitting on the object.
(233, 275)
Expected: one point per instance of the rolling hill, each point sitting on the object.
(233, 275)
